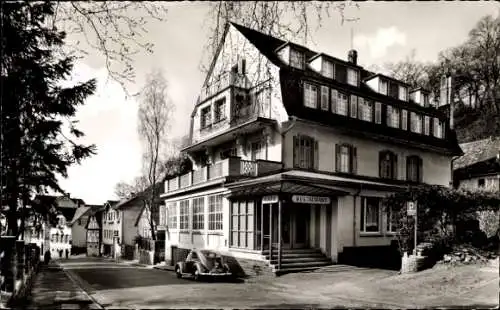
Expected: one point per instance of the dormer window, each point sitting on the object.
(296, 59)
(383, 87)
(416, 122)
(438, 128)
(352, 77)
(327, 69)
(403, 93)
(219, 110)
(310, 96)
(205, 117)
(425, 99)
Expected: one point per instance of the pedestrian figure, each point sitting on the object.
(60, 253)
(46, 257)
(67, 253)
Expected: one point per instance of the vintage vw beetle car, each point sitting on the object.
(203, 263)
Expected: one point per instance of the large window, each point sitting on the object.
(198, 217)
(184, 214)
(416, 122)
(324, 97)
(388, 165)
(304, 152)
(296, 59)
(393, 117)
(403, 93)
(352, 77)
(205, 117)
(310, 95)
(345, 158)
(242, 224)
(339, 102)
(354, 106)
(172, 215)
(327, 69)
(215, 212)
(370, 214)
(414, 169)
(258, 150)
(365, 109)
(220, 110)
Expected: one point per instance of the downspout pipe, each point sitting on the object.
(451, 170)
(283, 133)
(355, 196)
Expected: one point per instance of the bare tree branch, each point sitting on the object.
(155, 113)
(116, 30)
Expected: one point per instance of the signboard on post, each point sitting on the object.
(270, 199)
(411, 208)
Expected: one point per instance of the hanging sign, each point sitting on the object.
(310, 199)
(411, 208)
(270, 199)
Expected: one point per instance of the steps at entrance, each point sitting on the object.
(295, 260)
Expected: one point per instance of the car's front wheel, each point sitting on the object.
(196, 275)
(178, 272)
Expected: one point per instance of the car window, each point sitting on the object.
(194, 255)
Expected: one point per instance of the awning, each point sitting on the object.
(286, 187)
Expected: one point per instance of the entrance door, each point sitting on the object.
(300, 226)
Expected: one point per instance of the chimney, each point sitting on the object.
(450, 101)
(352, 57)
(241, 66)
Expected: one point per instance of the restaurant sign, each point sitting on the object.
(310, 199)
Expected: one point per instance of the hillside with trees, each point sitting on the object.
(475, 67)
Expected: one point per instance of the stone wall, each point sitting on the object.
(20, 263)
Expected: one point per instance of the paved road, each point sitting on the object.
(117, 285)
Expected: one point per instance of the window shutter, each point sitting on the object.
(333, 101)
(394, 166)
(380, 160)
(354, 160)
(337, 157)
(420, 170)
(316, 155)
(407, 168)
(353, 109)
(296, 151)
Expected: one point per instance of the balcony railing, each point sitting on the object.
(230, 167)
(224, 80)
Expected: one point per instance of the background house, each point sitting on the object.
(78, 230)
(93, 228)
(479, 167)
(111, 229)
(130, 210)
(58, 235)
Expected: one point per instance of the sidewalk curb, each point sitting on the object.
(84, 290)
(164, 269)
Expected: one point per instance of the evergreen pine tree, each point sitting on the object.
(35, 108)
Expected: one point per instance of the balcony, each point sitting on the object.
(222, 82)
(230, 167)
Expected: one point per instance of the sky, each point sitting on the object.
(384, 32)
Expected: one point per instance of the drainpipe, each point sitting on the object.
(355, 196)
(451, 170)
